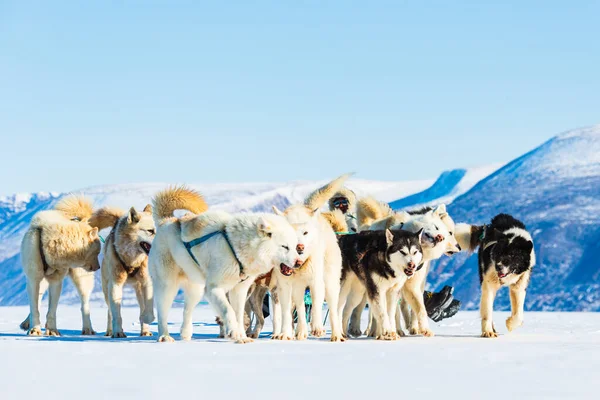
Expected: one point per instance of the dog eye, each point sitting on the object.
(286, 247)
(403, 253)
(151, 231)
(305, 233)
(451, 233)
(415, 253)
(269, 235)
(436, 228)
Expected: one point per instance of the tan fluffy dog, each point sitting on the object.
(125, 262)
(60, 242)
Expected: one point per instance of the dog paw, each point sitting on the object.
(337, 338)
(401, 333)
(236, 335)
(146, 334)
(413, 331)
(355, 333)
(34, 332)
(426, 333)
(513, 323)
(283, 337)
(108, 333)
(302, 335)
(88, 332)
(388, 336)
(186, 338)
(52, 332)
(166, 339)
(119, 335)
(25, 325)
(491, 334)
(244, 340)
(318, 332)
(253, 335)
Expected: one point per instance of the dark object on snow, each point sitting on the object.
(442, 304)
(265, 307)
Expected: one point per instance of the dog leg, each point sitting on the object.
(218, 299)
(256, 304)
(379, 306)
(53, 296)
(405, 313)
(398, 316)
(392, 306)
(237, 297)
(517, 303)
(27, 321)
(141, 299)
(33, 289)
(355, 298)
(84, 283)
(345, 289)
(277, 312)
(165, 289)
(302, 326)
(285, 297)
(332, 292)
(354, 329)
(115, 296)
(193, 293)
(317, 293)
(419, 325)
(488, 294)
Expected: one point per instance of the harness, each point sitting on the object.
(189, 245)
(41, 246)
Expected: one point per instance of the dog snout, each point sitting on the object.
(411, 265)
(298, 263)
(439, 238)
(300, 249)
(93, 268)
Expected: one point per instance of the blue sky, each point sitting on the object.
(167, 91)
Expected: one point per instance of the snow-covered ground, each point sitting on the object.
(553, 356)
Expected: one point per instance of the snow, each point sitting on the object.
(553, 356)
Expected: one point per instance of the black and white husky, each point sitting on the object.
(378, 263)
(506, 257)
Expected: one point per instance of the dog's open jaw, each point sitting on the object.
(146, 247)
(285, 270)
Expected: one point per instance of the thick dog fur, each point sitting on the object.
(260, 241)
(439, 239)
(377, 264)
(320, 269)
(60, 242)
(506, 258)
(125, 262)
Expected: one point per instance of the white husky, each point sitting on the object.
(321, 269)
(214, 252)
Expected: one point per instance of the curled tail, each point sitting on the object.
(176, 198)
(75, 207)
(105, 217)
(337, 220)
(319, 197)
(469, 236)
(370, 210)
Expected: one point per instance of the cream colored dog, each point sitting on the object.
(212, 252)
(320, 269)
(125, 262)
(60, 242)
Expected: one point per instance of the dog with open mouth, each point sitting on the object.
(378, 264)
(213, 253)
(506, 258)
(125, 262)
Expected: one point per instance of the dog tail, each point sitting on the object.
(337, 220)
(370, 210)
(469, 237)
(319, 197)
(105, 217)
(76, 207)
(176, 198)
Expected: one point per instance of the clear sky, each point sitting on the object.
(101, 92)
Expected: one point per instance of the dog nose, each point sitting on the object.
(411, 265)
(298, 263)
(300, 249)
(458, 247)
(439, 238)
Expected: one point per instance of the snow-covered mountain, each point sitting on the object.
(555, 191)
(16, 213)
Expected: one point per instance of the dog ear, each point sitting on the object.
(264, 227)
(277, 211)
(93, 234)
(389, 237)
(440, 211)
(420, 234)
(526, 246)
(133, 216)
(148, 208)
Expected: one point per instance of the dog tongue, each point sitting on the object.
(285, 270)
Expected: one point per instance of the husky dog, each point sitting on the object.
(214, 252)
(438, 239)
(378, 263)
(60, 242)
(320, 268)
(125, 262)
(506, 257)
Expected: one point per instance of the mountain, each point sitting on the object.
(555, 191)
(16, 212)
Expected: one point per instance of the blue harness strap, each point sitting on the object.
(202, 239)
